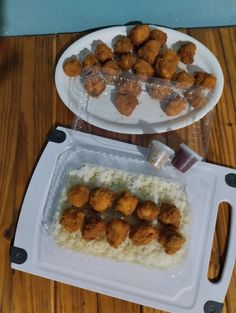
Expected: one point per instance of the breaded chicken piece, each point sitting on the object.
(171, 240)
(205, 80)
(94, 84)
(126, 61)
(125, 103)
(101, 199)
(165, 67)
(175, 106)
(72, 219)
(103, 53)
(127, 203)
(94, 228)
(129, 87)
(78, 196)
(90, 61)
(159, 89)
(169, 215)
(159, 35)
(143, 235)
(147, 211)
(117, 232)
(139, 34)
(111, 71)
(72, 67)
(196, 97)
(183, 80)
(187, 52)
(143, 69)
(123, 45)
(149, 51)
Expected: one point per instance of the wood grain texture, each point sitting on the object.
(29, 108)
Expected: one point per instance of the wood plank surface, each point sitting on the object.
(30, 107)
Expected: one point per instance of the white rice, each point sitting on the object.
(146, 188)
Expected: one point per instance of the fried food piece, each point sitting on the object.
(78, 196)
(149, 51)
(123, 45)
(143, 69)
(125, 103)
(111, 71)
(94, 85)
(101, 199)
(159, 89)
(127, 203)
(139, 34)
(72, 67)
(131, 87)
(147, 211)
(184, 80)
(143, 235)
(165, 67)
(175, 106)
(169, 215)
(159, 35)
(72, 219)
(90, 61)
(205, 80)
(117, 232)
(93, 228)
(196, 97)
(103, 53)
(126, 61)
(187, 52)
(171, 240)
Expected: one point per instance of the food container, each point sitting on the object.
(181, 288)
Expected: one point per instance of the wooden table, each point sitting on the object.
(30, 108)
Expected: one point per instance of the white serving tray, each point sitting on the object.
(184, 288)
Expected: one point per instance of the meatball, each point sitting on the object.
(127, 203)
(196, 97)
(187, 52)
(129, 87)
(204, 80)
(143, 69)
(123, 45)
(117, 232)
(125, 103)
(78, 196)
(175, 106)
(126, 61)
(101, 199)
(94, 85)
(103, 53)
(93, 228)
(159, 35)
(72, 219)
(165, 67)
(184, 80)
(149, 51)
(139, 34)
(143, 235)
(147, 211)
(169, 215)
(159, 89)
(170, 239)
(111, 71)
(90, 61)
(72, 67)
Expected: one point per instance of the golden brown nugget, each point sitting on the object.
(78, 196)
(111, 71)
(205, 80)
(72, 219)
(103, 53)
(143, 235)
(143, 69)
(93, 228)
(127, 61)
(101, 199)
(72, 67)
(149, 51)
(129, 87)
(175, 106)
(94, 85)
(184, 80)
(139, 34)
(169, 215)
(165, 67)
(125, 103)
(187, 52)
(127, 203)
(90, 61)
(159, 35)
(159, 89)
(147, 211)
(117, 232)
(171, 240)
(195, 97)
(123, 45)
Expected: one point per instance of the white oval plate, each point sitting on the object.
(148, 117)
